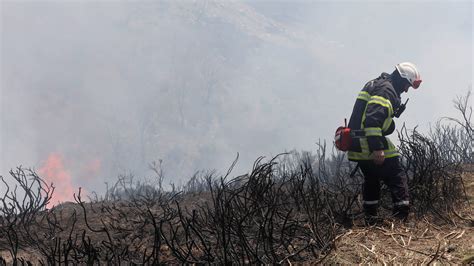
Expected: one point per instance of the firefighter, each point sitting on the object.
(371, 121)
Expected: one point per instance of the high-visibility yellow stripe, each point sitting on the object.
(363, 95)
(358, 156)
(392, 154)
(382, 99)
(364, 145)
(377, 101)
(373, 131)
(365, 154)
(387, 123)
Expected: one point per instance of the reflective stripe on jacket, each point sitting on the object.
(372, 113)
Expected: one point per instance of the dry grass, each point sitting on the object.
(420, 241)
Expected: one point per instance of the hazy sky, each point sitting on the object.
(98, 88)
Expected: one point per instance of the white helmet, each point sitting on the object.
(408, 71)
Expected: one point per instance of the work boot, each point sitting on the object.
(401, 212)
(371, 217)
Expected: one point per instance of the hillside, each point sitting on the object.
(112, 109)
(421, 241)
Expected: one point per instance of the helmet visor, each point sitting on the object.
(416, 83)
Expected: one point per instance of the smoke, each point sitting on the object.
(91, 170)
(113, 86)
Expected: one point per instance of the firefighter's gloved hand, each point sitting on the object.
(378, 157)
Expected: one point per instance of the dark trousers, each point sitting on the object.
(391, 172)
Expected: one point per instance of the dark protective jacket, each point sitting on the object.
(371, 118)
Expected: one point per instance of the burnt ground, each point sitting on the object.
(422, 240)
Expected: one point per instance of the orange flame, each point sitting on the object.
(53, 171)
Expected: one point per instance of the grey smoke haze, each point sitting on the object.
(195, 82)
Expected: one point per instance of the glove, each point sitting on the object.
(378, 157)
